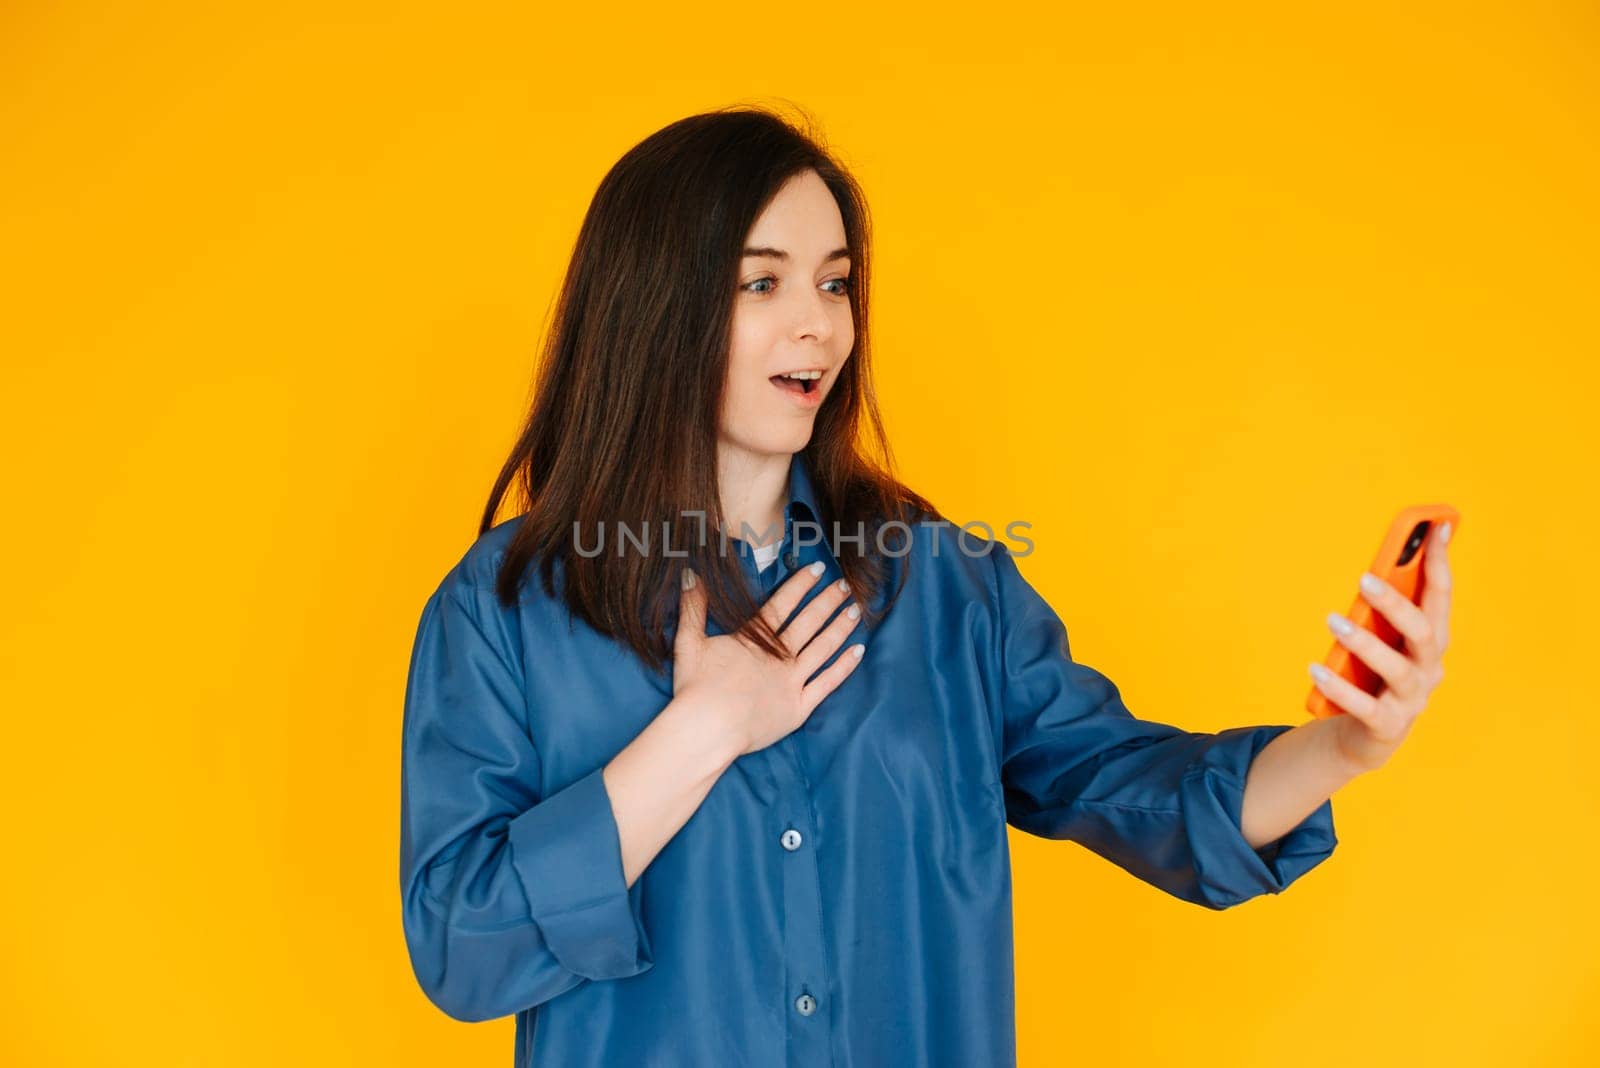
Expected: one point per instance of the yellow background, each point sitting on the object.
(1204, 295)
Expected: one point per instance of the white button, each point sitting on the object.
(791, 839)
(805, 1004)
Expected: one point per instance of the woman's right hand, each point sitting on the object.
(763, 697)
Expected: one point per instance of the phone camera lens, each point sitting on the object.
(1419, 534)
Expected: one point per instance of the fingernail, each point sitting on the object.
(688, 579)
(1444, 534)
(844, 587)
(817, 568)
(854, 611)
(1339, 624)
(1320, 673)
(857, 650)
(1370, 583)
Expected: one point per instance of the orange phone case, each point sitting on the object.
(1399, 563)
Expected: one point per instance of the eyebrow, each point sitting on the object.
(779, 254)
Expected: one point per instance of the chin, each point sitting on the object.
(791, 443)
(769, 443)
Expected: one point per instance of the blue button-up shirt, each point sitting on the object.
(841, 897)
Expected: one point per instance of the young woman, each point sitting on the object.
(709, 754)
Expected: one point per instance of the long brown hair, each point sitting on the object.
(628, 388)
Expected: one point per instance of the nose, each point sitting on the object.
(813, 317)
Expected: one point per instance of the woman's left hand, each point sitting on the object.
(1375, 726)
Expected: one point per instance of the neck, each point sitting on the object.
(754, 489)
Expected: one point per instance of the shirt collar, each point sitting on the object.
(807, 543)
(802, 492)
(800, 547)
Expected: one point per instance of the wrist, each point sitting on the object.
(1346, 736)
(710, 723)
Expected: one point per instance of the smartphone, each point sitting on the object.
(1399, 563)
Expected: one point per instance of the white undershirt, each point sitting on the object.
(765, 554)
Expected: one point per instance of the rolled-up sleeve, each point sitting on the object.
(509, 898)
(1162, 803)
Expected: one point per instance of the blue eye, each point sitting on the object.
(847, 283)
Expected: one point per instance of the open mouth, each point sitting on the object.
(800, 383)
(795, 385)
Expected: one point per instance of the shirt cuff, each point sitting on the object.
(567, 854)
(1229, 870)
